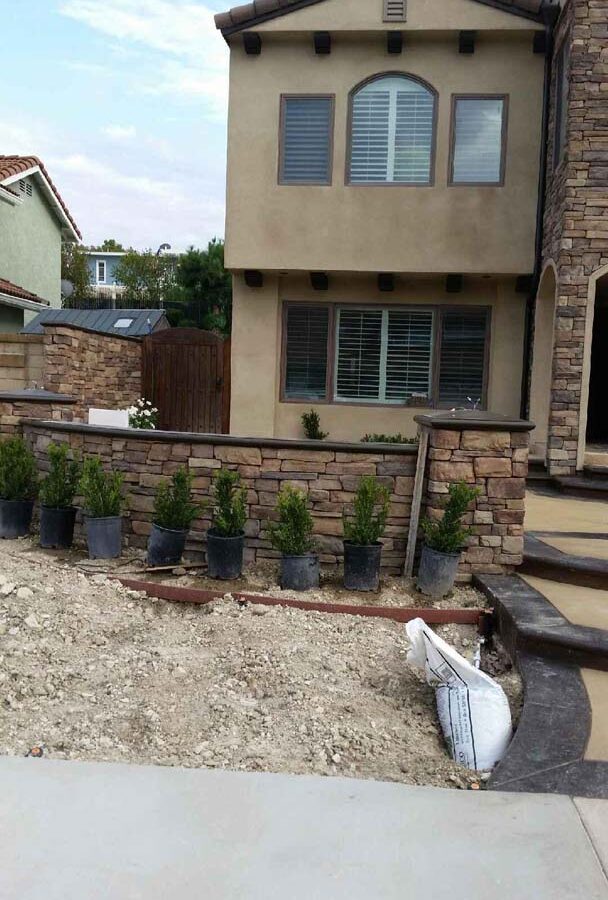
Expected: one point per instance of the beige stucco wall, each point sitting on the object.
(30, 245)
(381, 228)
(256, 353)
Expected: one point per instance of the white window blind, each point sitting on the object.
(392, 132)
(478, 145)
(306, 352)
(463, 344)
(306, 140)
(383, 355)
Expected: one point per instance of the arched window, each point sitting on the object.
(392, 123)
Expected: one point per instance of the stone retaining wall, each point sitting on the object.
(20, 361)
(14, 409)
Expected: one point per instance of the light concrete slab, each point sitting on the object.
(595, 547)
(580, 605)
(596, 684)
(555, 513)
(86, 831)
(594, 814)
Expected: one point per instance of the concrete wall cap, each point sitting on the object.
(473, 419)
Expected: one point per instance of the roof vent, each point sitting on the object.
(25, 187)
(395, 10)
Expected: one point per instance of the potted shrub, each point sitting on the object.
(362, 533)
(101, 492)
(174, 512)
(18, 487)
(443, 542)
(292, 536)
(57, 490)
(226, 537)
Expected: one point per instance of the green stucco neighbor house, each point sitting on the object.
(34, 221)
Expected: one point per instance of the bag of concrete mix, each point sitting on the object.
(473, 709)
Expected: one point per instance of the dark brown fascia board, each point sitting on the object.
(301, 4)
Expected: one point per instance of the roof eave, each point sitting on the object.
(67, 226)
(21, 303)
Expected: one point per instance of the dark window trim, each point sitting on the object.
(560, 106)
(332, 116)
(349, 120)
(437, 308)
(503, 140)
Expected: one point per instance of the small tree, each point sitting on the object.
(58, 488)
(311, 422)
(75, 269)
(174, 507)
(101, 490)
(292, 534)
(370, 511)
(145, 278)
(229, 508)
(18, 474)
(447, 535)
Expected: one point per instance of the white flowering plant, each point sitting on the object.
(142, 414)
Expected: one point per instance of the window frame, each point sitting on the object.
(332, 125)
(437, 309)
(349, 133)
(103, 263)
(503, 140)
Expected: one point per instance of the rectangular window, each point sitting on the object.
(306, 333)
(383, 355)
(478, 140)
(462, 357)
(561, 104)
(305, 153)
(101, 271)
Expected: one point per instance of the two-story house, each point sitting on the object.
(34, 220)
(102, 271)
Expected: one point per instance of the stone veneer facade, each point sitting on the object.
(94, 369)
(576, 215)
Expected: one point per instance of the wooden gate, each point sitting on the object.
(186, 375)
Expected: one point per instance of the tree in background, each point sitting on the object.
(75, 269)
(202, 294)
(110, 245)
(146, 277)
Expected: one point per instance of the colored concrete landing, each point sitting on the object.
(96, 830)
(578, 546)
(557, 513)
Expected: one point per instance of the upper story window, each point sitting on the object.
(305, 152)
(392, 132)
(561, 104)
(101, 271)
(478, 140)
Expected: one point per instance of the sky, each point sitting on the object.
(125, 102)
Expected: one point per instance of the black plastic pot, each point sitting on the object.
(362, 566)
(15, 518)
(166, 546)
(57, 526)
(224, 555)
(437, 572)
(104, 536)
(299, 573)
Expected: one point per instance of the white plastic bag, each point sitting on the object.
(473, 709)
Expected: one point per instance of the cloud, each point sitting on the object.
(119, 132)
(193, 61)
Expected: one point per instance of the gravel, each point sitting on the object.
(91, 670)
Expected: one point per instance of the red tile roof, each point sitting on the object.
(13, 290)
(15, 165)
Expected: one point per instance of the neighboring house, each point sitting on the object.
(34, 221)
(388, 165)
(126, 322)
(102, 269)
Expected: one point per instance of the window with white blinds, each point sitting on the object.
(477, 151)
(306, 140)
(307, 328)
(383, 355)
(392, 124)
(462, 358)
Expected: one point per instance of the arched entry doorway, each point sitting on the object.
(594, 427)
(542, 360)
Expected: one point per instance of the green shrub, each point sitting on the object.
(311, 423)
(57, 489)
(18, 474)
(388, 439)
(292, 534)
(370, 511)
(229, 509)
(447, 534)
(101, 490)
(174, 507)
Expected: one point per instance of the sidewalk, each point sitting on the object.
(86, 831)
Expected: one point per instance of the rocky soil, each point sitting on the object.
(91, 670)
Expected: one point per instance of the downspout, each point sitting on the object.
(550, 12)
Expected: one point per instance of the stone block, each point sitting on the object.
(248, 456)
(404, 485)
(507, 488)
(485, 440)
(444, 439)
(318, 456)
(492, 466)
(451, 471)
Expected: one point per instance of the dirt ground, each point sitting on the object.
(91, 670)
